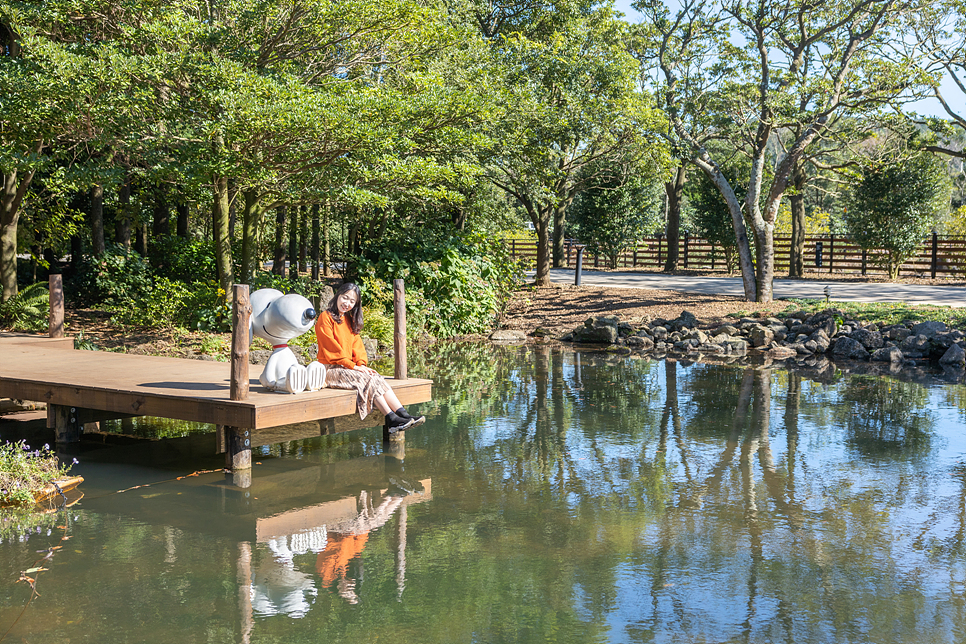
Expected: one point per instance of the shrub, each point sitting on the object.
(28, 310)
(454, 287)
(164, 305)
(114, 278)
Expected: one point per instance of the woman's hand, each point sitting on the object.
(365, 369)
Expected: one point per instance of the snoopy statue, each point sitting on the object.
(278, 318)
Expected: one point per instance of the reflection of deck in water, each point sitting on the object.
(294, 507)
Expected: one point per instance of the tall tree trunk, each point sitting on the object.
(161, 226)
(303, 238)
(326, 248)
(232, 208)
(796, 258)
(141, 239)
(251, 219)
(278, 261)
(183, 220)
(14, 190)
(122, 224)
(541, 223)
(76, 251)
(98, 244)
(674, 190)
(559, 221)
(293, 244)
(219, 230)
(316, 226)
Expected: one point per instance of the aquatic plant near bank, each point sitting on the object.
(24, 471)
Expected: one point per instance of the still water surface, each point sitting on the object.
(551, 496)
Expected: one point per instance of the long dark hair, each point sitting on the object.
(355, 314)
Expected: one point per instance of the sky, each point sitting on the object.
(927, 107)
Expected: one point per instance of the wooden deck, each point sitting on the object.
(47, 370)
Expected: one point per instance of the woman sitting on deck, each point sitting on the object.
(341, 351)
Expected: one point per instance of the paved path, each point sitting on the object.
(813, 289)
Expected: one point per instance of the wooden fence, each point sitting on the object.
(938, 256)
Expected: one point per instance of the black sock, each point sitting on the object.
(392, 419)
(401, 412)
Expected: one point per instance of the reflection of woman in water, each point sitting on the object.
(347, 541)
(342, 352)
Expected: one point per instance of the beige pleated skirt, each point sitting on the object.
(368, 386)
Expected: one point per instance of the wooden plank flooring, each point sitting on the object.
(38, 369)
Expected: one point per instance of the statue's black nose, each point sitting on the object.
(309, 314)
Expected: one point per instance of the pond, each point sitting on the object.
(552, 495)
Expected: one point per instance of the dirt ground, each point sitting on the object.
(559, 309)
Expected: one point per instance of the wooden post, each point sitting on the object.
(66, 424)
(238, 455)
(687, 238)
(634, 265)
(865, 259)
(241, 314)
(399, 333)
(55, 322)
(397, 440)
(831, 252)
(934, 264)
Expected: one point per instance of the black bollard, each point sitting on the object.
(580, 263)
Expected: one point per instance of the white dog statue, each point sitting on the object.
(278, 318)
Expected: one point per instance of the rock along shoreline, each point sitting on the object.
(802, 339)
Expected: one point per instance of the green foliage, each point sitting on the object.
(893, 206)
(23, 470)
(165, 304)
(170, 303)
(379, 325)
(185, 260)
(115, 278)
(610, 218)
(303, 284)
(453, 288)
(28, 310)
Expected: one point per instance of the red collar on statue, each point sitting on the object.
(279, 346)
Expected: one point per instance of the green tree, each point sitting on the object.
(610, 218)
(571, 104)
(894, 205)
(737, 72)
(40, 83)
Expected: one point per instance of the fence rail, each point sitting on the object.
(938, 256)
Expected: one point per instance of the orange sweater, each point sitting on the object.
(338, 344)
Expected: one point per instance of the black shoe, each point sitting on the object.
(418, 420)
(399, 424)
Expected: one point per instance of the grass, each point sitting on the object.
(23, 470)
(889, 313)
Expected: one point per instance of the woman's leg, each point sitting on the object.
(390, 399)
(383, 405)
